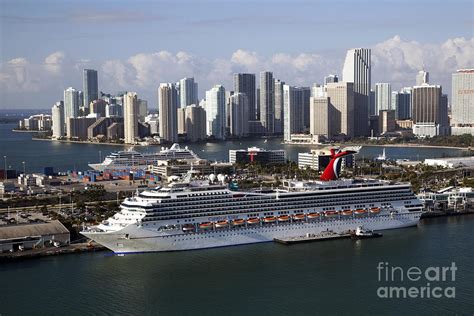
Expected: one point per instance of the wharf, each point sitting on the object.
(326, 235)
(51, 251)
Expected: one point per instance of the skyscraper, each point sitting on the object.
(71, 103)
(357, 70)
(215, 112)
(320, 116)
(245, 83)
(239, 123)
(383, 97)
(167, 111)
(130, 117)
(279, 113)
(293, 107)
(306, 95)
(90, 86)
(462, 103)
(267, 102)
(422, 77)
(342, 98)
(195, 123)
(188, 92)
(429, 111)
(401, 103)
(57, 113)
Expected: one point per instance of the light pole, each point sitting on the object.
(5, 175)
(100, 155)
(24, 168)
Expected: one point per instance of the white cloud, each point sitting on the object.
(395, 60)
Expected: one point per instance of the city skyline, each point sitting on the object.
(31, 78)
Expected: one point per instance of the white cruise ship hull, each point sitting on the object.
(137, 239)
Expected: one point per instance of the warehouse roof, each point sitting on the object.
(37, 229)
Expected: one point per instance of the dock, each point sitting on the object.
(326, 235)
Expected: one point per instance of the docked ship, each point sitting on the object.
(131, 159)
(199, 214)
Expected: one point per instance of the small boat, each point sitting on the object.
(362, 233)
(206, 225)
(374, 210)
(188, 227)
(221, 224)
(269, 219)
(347, 212)
(238, 222)
(360, 212)
(56, 244)
(313, 215)
(283, 218)
(298, 217)
(331, 213)
(253, 221)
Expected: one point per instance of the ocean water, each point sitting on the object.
(332, 277)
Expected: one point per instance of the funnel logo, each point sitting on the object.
(333, 169)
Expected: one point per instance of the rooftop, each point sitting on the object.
(37, 229)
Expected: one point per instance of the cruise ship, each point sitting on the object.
(199, 214)
(131, 159)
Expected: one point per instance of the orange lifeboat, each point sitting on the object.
(206, 225)
(374, 210)
(330, 213)
(359, 212)
(298, 217)
(269, 219)
(283, 218)
(221, 224)
(313, 215)
(188, 227)
(238, 222)
(347, 212)
(253, 221)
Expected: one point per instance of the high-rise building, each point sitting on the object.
(245, 83)
(188, 92)
(429, 111)
(71, 103)
(342, 98)
(267, 101)
(57, 113)
(306, 95)
(462, 103)
(91, 86)
(130, 117)
(357, 70)
(167, 111)
(321, 115)
(181, 118)
(318, 91)
(422, 77)
(195, 123)
(293, 107)
(401, 103)
(142, 109)
(215, 112)
(279, 108)
(239, 123)
(330, 79)
(98, 107)
(373, 104)
(383, 96)
(386, 121)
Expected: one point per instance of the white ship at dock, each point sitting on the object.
(196, 215)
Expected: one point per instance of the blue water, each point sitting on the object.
(19, 147)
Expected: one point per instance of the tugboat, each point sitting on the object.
(362, 233)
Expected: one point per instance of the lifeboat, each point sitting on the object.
(253, 221)
(269, 219)
(330, 213)
(221, 224)
(283, 218)
(188, 227)
(359, 212)
(347, 212)
(374, 210)
(206, 225)
(298, 217)
(313, 215)
(238, 222)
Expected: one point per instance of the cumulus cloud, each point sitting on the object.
(395, 60)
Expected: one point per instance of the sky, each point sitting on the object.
(136, 45)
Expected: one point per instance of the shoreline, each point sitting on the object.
(468, 149)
